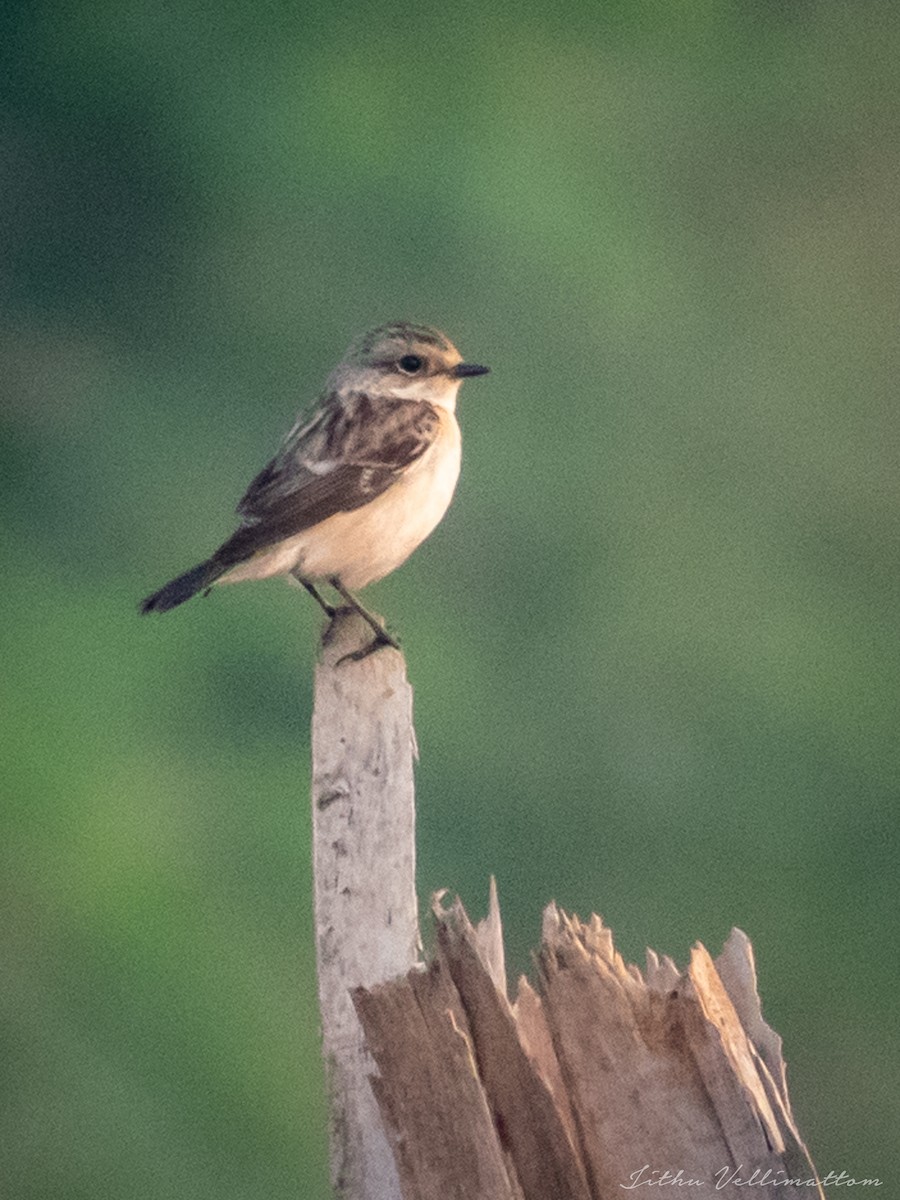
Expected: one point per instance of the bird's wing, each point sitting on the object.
(351, 451)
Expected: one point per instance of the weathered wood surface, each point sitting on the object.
(364, 868)
(599, 1078)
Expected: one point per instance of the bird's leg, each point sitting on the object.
(327, 608)
(382, 637)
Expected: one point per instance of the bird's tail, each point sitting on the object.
(185, 586)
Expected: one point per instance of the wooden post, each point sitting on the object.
(597, 1079)
(364, 867)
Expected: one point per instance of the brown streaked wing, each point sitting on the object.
(283, 473)
(339, 461)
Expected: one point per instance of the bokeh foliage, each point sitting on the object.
(654, 644)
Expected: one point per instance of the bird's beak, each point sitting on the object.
(466, 370)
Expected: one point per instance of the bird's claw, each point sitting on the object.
(377, 642)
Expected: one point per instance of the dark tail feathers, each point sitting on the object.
(182, 588)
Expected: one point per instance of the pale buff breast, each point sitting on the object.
(370, 542)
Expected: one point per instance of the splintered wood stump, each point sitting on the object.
(599, 1079)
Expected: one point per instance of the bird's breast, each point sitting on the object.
(371, 541)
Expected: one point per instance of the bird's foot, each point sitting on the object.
(381, 639)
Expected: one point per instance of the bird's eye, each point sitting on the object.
(410, 363)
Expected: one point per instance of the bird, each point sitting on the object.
(357, 484)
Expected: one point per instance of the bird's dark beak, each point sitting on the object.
(466, 370)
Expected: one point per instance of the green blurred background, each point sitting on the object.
(654, 644)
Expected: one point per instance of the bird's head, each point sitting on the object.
(412, 362)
